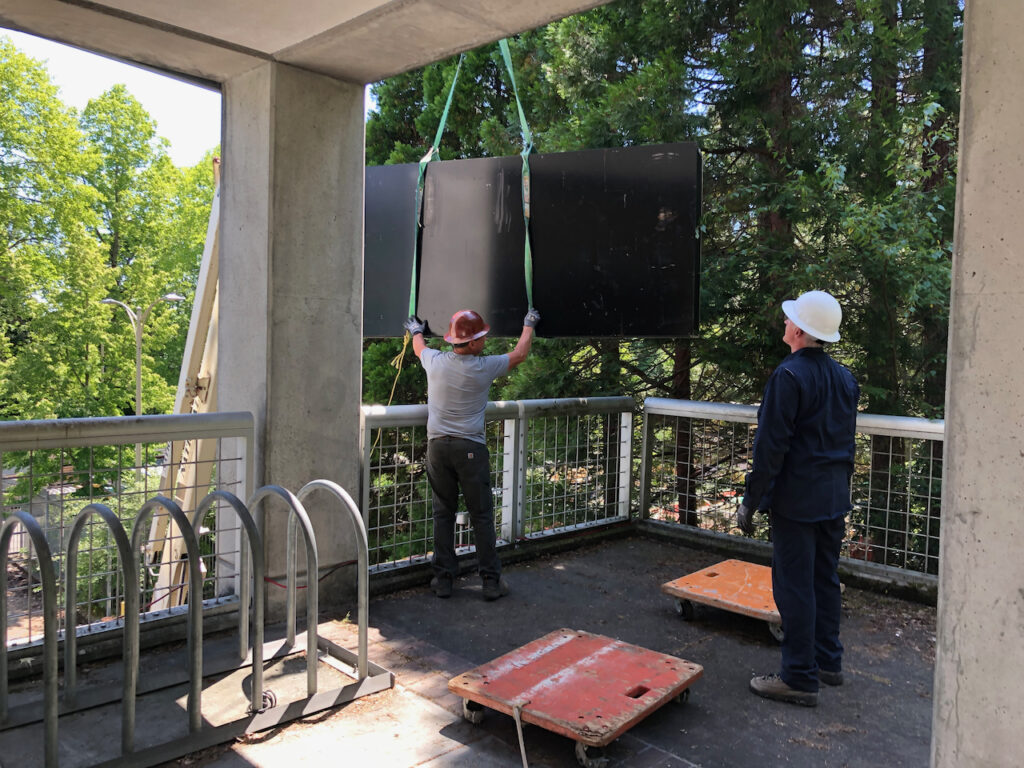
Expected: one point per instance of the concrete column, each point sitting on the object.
(979, 668)
(291, 291)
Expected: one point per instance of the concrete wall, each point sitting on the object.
(291, 291)
(979, 670)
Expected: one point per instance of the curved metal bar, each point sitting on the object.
(49, 577)
(362, 561)
(255, 546)
(312, 571)
(131, 608)
(291, 570)
(195, 599)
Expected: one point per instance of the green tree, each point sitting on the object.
(53, 272)
(151, 228)
(828, 163)
(90, 207)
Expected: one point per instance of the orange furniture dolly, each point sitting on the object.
(586, 687)
(732, 585)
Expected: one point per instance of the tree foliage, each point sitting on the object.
(827, 132)
(90, 207)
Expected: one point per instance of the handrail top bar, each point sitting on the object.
(607, 404)
(696, 409)
(867, 423)
(901, 426)
(106, 430)
(394, 415)
(416, 415)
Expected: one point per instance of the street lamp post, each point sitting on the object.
(138, 319)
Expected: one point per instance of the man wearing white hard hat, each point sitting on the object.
(803, 461)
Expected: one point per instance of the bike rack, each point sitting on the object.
(262, 710)
(130, 651)
(252, 568)
(49, 578)
(362, 563)
(298, 512)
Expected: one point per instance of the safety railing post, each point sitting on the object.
(519, 487)
(625, 463)
(366, 445)
(228, 542)
(646, 446)
(508, 479)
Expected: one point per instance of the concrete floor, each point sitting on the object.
(881, 716)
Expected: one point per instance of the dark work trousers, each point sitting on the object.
(805, 583)
(453, 462)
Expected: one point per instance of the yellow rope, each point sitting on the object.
(396, 362)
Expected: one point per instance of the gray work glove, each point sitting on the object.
(532, 318)
(745, 519)
(413, 325)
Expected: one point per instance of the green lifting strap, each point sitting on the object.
(432, 154)
(525, 154)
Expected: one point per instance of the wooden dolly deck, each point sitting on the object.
(732, 585)
(586, 687)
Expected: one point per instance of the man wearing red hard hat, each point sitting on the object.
(458, 383)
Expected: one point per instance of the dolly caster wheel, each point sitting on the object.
(776, 631)
(472, 711)
(590, 757)
(686, 609)
(683, 697)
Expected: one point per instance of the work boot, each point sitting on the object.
(830, 678)
(774, 687)
(494, 587)
(442, 585)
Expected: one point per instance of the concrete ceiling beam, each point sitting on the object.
(359, 41)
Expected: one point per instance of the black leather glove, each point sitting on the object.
(745, 519)
(413, 325)
(532, 318)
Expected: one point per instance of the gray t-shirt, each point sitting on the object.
(457, 389)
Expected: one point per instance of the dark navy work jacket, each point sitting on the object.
(804, 447)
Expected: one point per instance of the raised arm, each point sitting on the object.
(415, 327)
(517, 355)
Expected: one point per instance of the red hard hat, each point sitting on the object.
(465, 326)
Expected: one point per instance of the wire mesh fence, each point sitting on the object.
(577, 470)
(555, 465)
(53, 470)
(696, 456)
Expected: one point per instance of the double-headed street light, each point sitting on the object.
(138, 318)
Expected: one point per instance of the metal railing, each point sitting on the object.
(53, 470)
(695, 456)
(556, 465)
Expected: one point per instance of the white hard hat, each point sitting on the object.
(816, 313)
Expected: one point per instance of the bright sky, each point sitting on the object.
(186, 115)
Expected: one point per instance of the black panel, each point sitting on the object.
(614, 234)
(387, 252)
